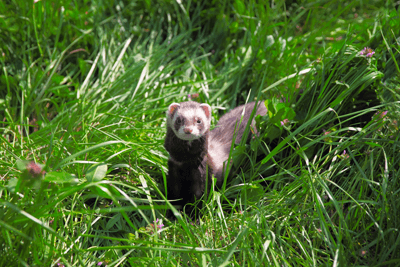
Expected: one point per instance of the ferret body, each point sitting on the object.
(222, 135)
(188, 129)
(196, 153)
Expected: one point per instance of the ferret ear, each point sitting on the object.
(207, 110)
(172, 108)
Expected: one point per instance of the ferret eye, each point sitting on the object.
(179, 120)
(199, 121)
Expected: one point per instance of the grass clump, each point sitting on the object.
(85, 86)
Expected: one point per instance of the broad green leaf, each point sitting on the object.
(96, 173)
(373, 144)
(60, 177)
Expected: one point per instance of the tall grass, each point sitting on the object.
(83, 93)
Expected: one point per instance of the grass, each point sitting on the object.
(83, 92)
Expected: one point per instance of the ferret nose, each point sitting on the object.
(188, 130)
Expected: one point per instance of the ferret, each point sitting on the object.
(188, 129)
(196, 153)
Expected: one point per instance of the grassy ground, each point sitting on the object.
(84, 87)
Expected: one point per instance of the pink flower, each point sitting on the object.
(160, 226)
(379, 115)
(368, 52)
(363, 253)
(327, 139)
(34, 170)
(193, 97)
(285, 122)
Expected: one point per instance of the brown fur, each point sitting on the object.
(187, 166)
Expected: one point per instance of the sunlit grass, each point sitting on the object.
(84, 89)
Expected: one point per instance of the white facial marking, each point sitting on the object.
(194, 125)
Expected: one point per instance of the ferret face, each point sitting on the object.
(189, 120)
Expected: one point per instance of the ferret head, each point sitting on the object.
(189, 120)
